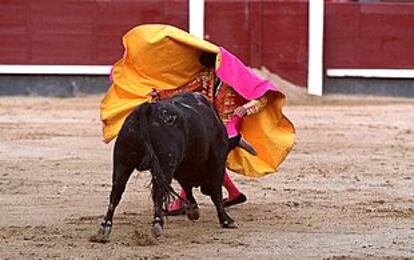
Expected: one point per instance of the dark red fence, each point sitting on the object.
(271, 33)
(369, 35)
(77, 31)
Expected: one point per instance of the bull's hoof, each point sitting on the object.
(228, 224)
(102, 236)
(156, 230)
(193, 214)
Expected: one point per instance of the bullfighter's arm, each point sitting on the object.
(256, 105)
(252, 107)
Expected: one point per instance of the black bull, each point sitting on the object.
(181, 138)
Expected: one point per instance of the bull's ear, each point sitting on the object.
(247, 146)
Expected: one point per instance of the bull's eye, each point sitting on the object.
(171, 120)
(167, 118)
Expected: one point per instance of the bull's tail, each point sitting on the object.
(160, 184)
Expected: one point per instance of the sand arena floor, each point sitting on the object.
(346, 189)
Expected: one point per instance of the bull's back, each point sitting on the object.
(203, 127)
(201, 115)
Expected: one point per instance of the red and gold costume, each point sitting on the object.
(226, 100)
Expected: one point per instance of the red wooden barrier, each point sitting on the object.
(263, 33)
(77, 31)
(369, 36)
(285, 39)
(272, 33)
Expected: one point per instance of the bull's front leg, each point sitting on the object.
(225, 220)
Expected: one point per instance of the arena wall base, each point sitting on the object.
(53, 85)
(369, 86)
(74, 85)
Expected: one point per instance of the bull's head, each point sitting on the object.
(239, 141)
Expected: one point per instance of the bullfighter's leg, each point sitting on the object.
(192, 211)
(235, 196)
(122, 172)
(177, 207)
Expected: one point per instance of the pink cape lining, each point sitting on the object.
(233, 126)
(241, 78)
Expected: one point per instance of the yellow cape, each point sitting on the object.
(271, 134)
(164, 57)
(156, 57)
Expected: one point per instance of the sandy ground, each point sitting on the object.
(346, 189)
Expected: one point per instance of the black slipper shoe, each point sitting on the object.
(238, 200)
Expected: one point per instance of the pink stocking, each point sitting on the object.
(177, 203)
(231, 188)
(233, 126)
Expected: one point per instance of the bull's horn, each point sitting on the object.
(247, 146)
